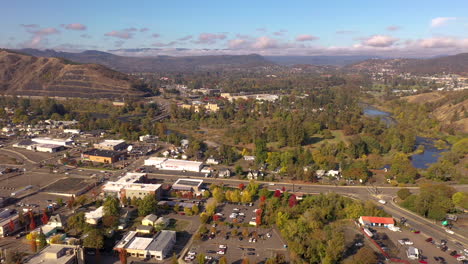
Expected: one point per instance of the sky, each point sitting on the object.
(396, 28)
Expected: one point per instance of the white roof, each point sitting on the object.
(181, 163)
(111, 142)
(140, 243)
(131, 177)
(96, 214)
(127, 182)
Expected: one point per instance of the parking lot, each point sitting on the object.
(397, 243)
(236, 240)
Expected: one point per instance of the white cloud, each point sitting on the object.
(441, 21)
(75, 26)
(379, 41)
(306, 37)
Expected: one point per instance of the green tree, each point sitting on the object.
(201, 258)
(147, 205)
(460, 199)
(218, 194)
(42, 240)
(403, 193)
(111, 206)
(94, 239)
(195, 209)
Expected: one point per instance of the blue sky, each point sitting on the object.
(399, 28)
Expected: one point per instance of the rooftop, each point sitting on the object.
(54, 254)
(378, 220)
(151, 217)
(159, 243)
(102, 153)
(98, 213)
(189, 182)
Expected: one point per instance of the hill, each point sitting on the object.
(158, 63)
(38, 76)
(456, 64)
(451, 108)
(318, 60)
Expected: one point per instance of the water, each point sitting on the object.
(420, 161)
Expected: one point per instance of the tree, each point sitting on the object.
(11, 225)
(292, 201)
(204, 217)
(111, 206)
(201, 258)
(460, 199)
(241, 186)
(246, 197)
(245, 232)
(188, 211)
(42, 240)
(195, 209)
(277, 193)
(44, 218)
(122, 256)
(218, 194)
(261, 151)
(245, 261)
(71, 202)
(94, 239)
(365, 255)
(403, 193)
(223, 260)
(31, 237)
(77, 222)
(211, 207)
(147, 205)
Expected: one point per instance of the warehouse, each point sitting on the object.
(53, 141)
(103, 156)
(174, 164)
(189, 185)
(157, 247)
(111, 145)
(50, 148)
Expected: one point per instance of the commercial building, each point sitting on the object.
(149, 220)
(188, 185)
(9, 222)
(157, 247)
(58, 254)
(50, 148)
(53, 141)
(174, 164)
(376, 221)
(129, 187)
(114, 145)
(103, 156)
(44, 144)
(95, 216)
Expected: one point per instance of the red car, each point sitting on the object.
(423, 261)
(429, 239)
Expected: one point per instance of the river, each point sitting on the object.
(420, 161)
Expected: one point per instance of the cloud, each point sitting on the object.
(161, 44)
(122, 34)
(280, 33)
(29, 25)
(442, 42)
(262, 29)
(441, 21)
(379, 41)
(132, 29)
(185, 38)
(393, 28)
(38, 35)
(75, 26)
(306, 37)
(345, 32)
(209, 38)
(155, 35)
(144, 29)
(265, 43)
(86, 36)
(238, 43)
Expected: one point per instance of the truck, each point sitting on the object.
(368, 232)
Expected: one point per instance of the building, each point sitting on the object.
(187, 185)
(149, 220)
(157, 247)
(174, 164)
(56, 221)
(50, 148)
(129, 186)
(144, 229)
(109, 144)
(58, 254)
(212, 161)
(249, 158)
(254, 174)
(103, 156)
(53, 141)
(376, 221)
(95, 216)
(72, 131)
(9, 222)
(224, 173)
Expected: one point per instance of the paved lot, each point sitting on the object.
(428, 250)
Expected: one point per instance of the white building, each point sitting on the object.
(190, 185)
(72, 131)
(174, 164)
(50, 148)
(95, 216)
(58, 254)
(53, 141)
(109, 144)
(157, 247)
(128, 186)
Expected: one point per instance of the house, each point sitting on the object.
(249, 158)
(56, 221)
(376, 221)
(103, 156)
(149, 220)
(320, 173)
(161, 223)
(95, 216)
(333, 173)
(212, 161)
(157, 247)
(144, 229)
(224, 173)
(58, 254)
(254, 174)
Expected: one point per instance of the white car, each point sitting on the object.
(449, 231)
(268, 235)
(401, 241)
(241, 214)
(233, 216)
(221, 252)
(271, 184)
(408, 242)
(382, 201)
(222, 246)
